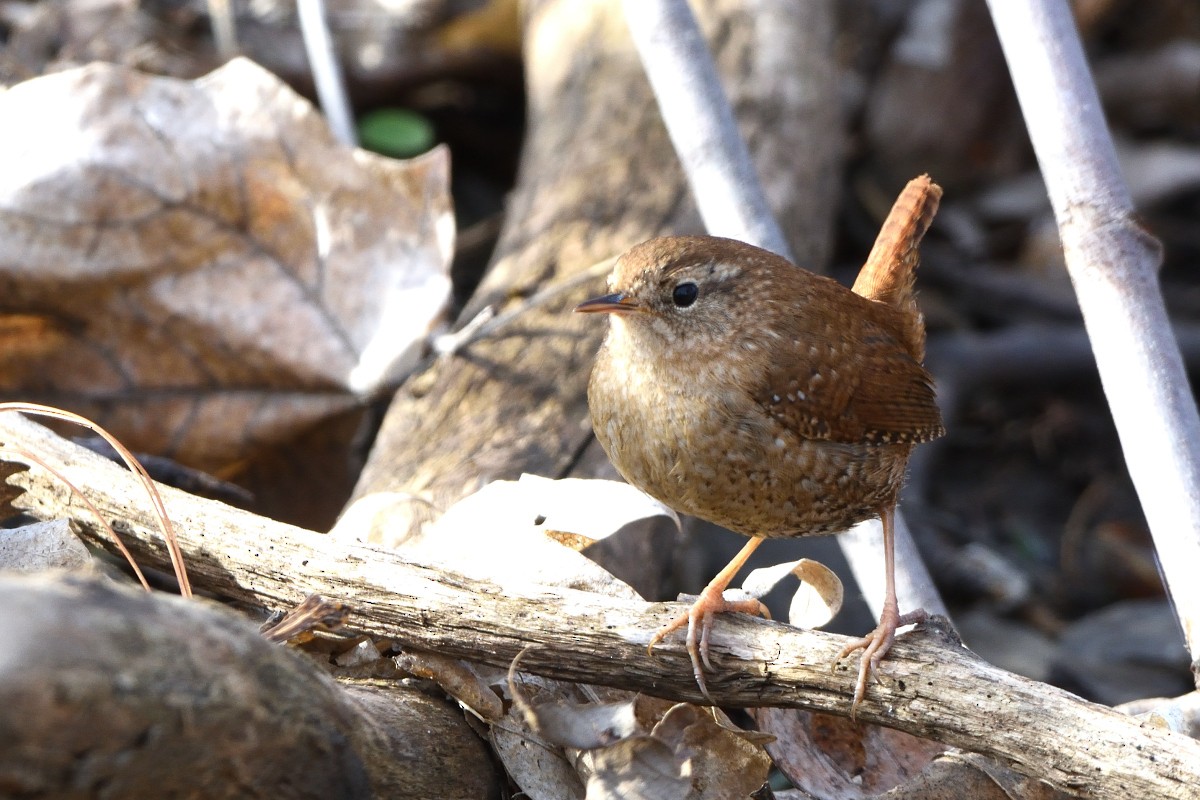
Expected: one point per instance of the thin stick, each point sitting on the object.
(135, 466)
(701, 124)
(25, 455)
(1113, 263)
(327, 73)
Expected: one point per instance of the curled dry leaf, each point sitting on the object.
(624, 530)
(456, 679)
(208, 268)
(589, 508)
(644, 748)
(638, 768)
(834, 757)
(815, 603)
(501, 531)
(540, 768)
(725, 761)
(583, 726)
(42, 546)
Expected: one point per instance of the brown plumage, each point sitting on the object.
(746, 391)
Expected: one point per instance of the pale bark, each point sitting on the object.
(700, 121)
(932, 686)
(1113, 262)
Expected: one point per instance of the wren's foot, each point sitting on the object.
(875, 646)
(699, 623)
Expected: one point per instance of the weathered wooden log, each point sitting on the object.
(933, 687)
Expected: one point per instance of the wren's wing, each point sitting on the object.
(859, 385)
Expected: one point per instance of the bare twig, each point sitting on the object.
(701, 124)
(135, 466)
(1113, 263)
(224, 25)
(122, 550)
(327, 73)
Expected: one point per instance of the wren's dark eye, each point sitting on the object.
(685, 294)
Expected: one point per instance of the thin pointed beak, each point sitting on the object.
(615, 303)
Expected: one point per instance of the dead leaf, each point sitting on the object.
(217, 271)
(621, 528)
(25, 338)
(590, 508)
(42, 546)
(815, 603)
(457, 679)
(583, 726)
(539, 767)
(54, 35)
(500, 532)
(647, 748)
(954, 775)
(718, 758)
(638, 768)
(835, 758)
(1006, 784)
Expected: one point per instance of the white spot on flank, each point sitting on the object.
(774, 398)
(800, 395)
(779, 442)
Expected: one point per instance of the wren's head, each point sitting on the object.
(691, 294)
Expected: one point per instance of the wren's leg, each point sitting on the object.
(876, 644)
(699, 617)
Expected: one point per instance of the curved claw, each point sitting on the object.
(875, 645)
(699, 619)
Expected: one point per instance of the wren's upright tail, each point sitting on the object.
(891, 268)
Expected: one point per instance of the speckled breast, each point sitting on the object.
(724, 459)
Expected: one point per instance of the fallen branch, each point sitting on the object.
(934, 687)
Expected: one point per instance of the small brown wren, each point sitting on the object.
(738, 388)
